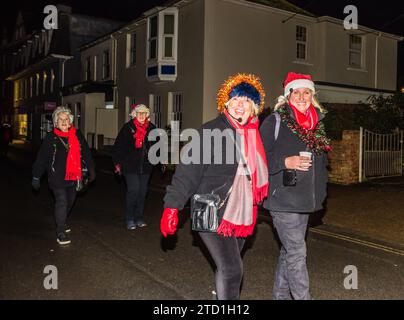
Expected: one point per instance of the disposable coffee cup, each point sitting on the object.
(305, 154)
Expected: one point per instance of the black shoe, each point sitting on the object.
(63, 238)
(67, 229)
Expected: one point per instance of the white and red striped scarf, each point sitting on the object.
(241, 210)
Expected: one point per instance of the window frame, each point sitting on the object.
(301, 42)
(133, 49)
(106, 66)
(88, 69)
(357, 51)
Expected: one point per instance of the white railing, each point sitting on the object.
(381, 154)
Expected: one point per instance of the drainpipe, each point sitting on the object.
(63, 78)
(64, 59)
(376, 58)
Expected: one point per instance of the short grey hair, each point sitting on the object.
(59, 110)
(139, 108)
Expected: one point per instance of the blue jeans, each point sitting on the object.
(226, 253)
(291, 277)
(137, 186)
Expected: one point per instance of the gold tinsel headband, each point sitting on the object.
(224, 93)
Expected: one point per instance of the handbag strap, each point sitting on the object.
(221, 204)
(64, 143)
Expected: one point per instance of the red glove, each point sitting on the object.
(117, 169)
(169, 222)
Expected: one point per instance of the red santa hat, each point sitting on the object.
(296, 80)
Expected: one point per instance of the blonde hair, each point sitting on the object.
(282, 100)
(59, 110)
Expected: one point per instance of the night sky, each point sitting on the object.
(387, 15)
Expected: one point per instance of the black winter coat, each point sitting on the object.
(132, 160)
(52, 158)
(310, 190)
(190, 179)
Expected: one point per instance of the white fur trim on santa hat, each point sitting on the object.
(299, 83)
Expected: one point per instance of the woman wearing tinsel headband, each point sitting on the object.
(295, 141)
(241, 184)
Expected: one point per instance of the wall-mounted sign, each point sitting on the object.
(49, 106)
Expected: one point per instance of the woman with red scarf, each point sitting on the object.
(297, 181)
(130, 157)
(241, 181)
(61, 155)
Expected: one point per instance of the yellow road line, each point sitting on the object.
(358, 241)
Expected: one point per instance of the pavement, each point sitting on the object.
(372, 210)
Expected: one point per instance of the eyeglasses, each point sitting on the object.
(141, 113)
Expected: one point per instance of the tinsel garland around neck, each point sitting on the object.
(315, 140)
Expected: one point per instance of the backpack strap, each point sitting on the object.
(277, 125)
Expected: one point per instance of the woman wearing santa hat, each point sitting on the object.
(240, 186)
(297, 181)
(130, 157)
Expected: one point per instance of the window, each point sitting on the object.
(77, 115)
(45, 77)
(152, 52)
(37, 84)
(88, 69)
(162, 45)
(105, 64)
(31, 86)
(128, 102)
(26, 94)
(23, 87)
(301, 43)
(52, 83)
(355, 51)
(177, 110)
(133, 49)
(95, 68)
(168, 36)
(157, 111)
(20, 86)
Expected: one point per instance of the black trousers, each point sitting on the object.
(64, 200)
(137, 185)
(226, 253)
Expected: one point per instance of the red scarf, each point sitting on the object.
(141, 131)
(241, 209)
(307, 121)
(73, 161)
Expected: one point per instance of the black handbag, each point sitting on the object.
(82, 184)
(289, 177)
(204, 211)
